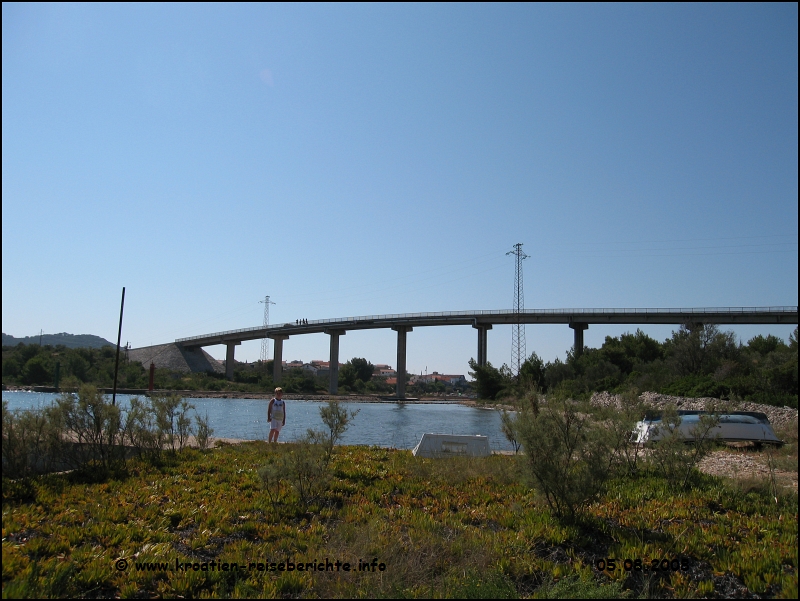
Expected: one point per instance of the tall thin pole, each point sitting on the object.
(119, 339)
(518, 329)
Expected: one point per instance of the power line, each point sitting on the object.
(444, 275)
(680, 248)
(518, 329)
(651, 241)
(265, 342)
(380, 287)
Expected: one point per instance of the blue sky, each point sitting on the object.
(357, 160)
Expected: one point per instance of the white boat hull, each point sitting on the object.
(733, 427)
(452, 445)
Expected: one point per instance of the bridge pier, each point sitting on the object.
(277, 365)
(229, 359)
(401, 359)
(333, 387)
(482, 328)
(578, 345)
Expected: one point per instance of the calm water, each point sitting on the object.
(381, 424)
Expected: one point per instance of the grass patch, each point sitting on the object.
(572, 587)
(455, 527)
(785, 457)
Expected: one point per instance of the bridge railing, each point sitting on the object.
(391, 316)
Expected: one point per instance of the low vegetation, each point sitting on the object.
(569, 456)
(87, 433)
(406, 527)
(307, 468)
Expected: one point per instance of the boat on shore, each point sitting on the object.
(734, 426)
(452, 445)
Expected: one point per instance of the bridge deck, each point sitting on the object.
(713, 315)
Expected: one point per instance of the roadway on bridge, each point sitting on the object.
(715, 315)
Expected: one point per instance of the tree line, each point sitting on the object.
(354, 376)
(698, 360)
(32, 364)
(35, 365)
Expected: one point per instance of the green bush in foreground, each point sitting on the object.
(31, 442)
(307, 466)
(572, 450)
(569, 456)
(86, 432)
(674, 457)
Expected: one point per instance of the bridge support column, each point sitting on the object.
(333, 387)
(229, 359)
(401, 360)
(482, 328)
(579, 328)
(277, 365)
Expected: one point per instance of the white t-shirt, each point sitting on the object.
(278, 410)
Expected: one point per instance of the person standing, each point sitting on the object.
(276, 415)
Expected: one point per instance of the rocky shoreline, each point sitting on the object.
(232, 394)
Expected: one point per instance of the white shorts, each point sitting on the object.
(276, 424)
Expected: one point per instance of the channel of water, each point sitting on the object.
(385, 424)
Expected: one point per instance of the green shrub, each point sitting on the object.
(86, 431)
(620, 424)
(569, 457)
(172, 419)
(92, 429)
(31, 442)
(676, 458)
(141, 429)
(306, 466)
(271, 475)
(337, 419)
(203, 431)
(508, 426)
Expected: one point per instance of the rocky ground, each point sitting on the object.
(232, 394)
(740, 461)
(743, 465)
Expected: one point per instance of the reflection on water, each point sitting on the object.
(381, 424)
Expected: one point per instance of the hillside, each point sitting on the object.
(68, 340)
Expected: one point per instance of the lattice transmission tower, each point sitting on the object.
(265, 342)
(518, 356)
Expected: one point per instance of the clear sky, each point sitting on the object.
(369, 159)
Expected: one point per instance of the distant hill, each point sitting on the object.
(68, 340)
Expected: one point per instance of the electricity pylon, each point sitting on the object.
(518, 329)
(265, 342)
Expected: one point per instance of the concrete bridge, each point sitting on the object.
(577, 319)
